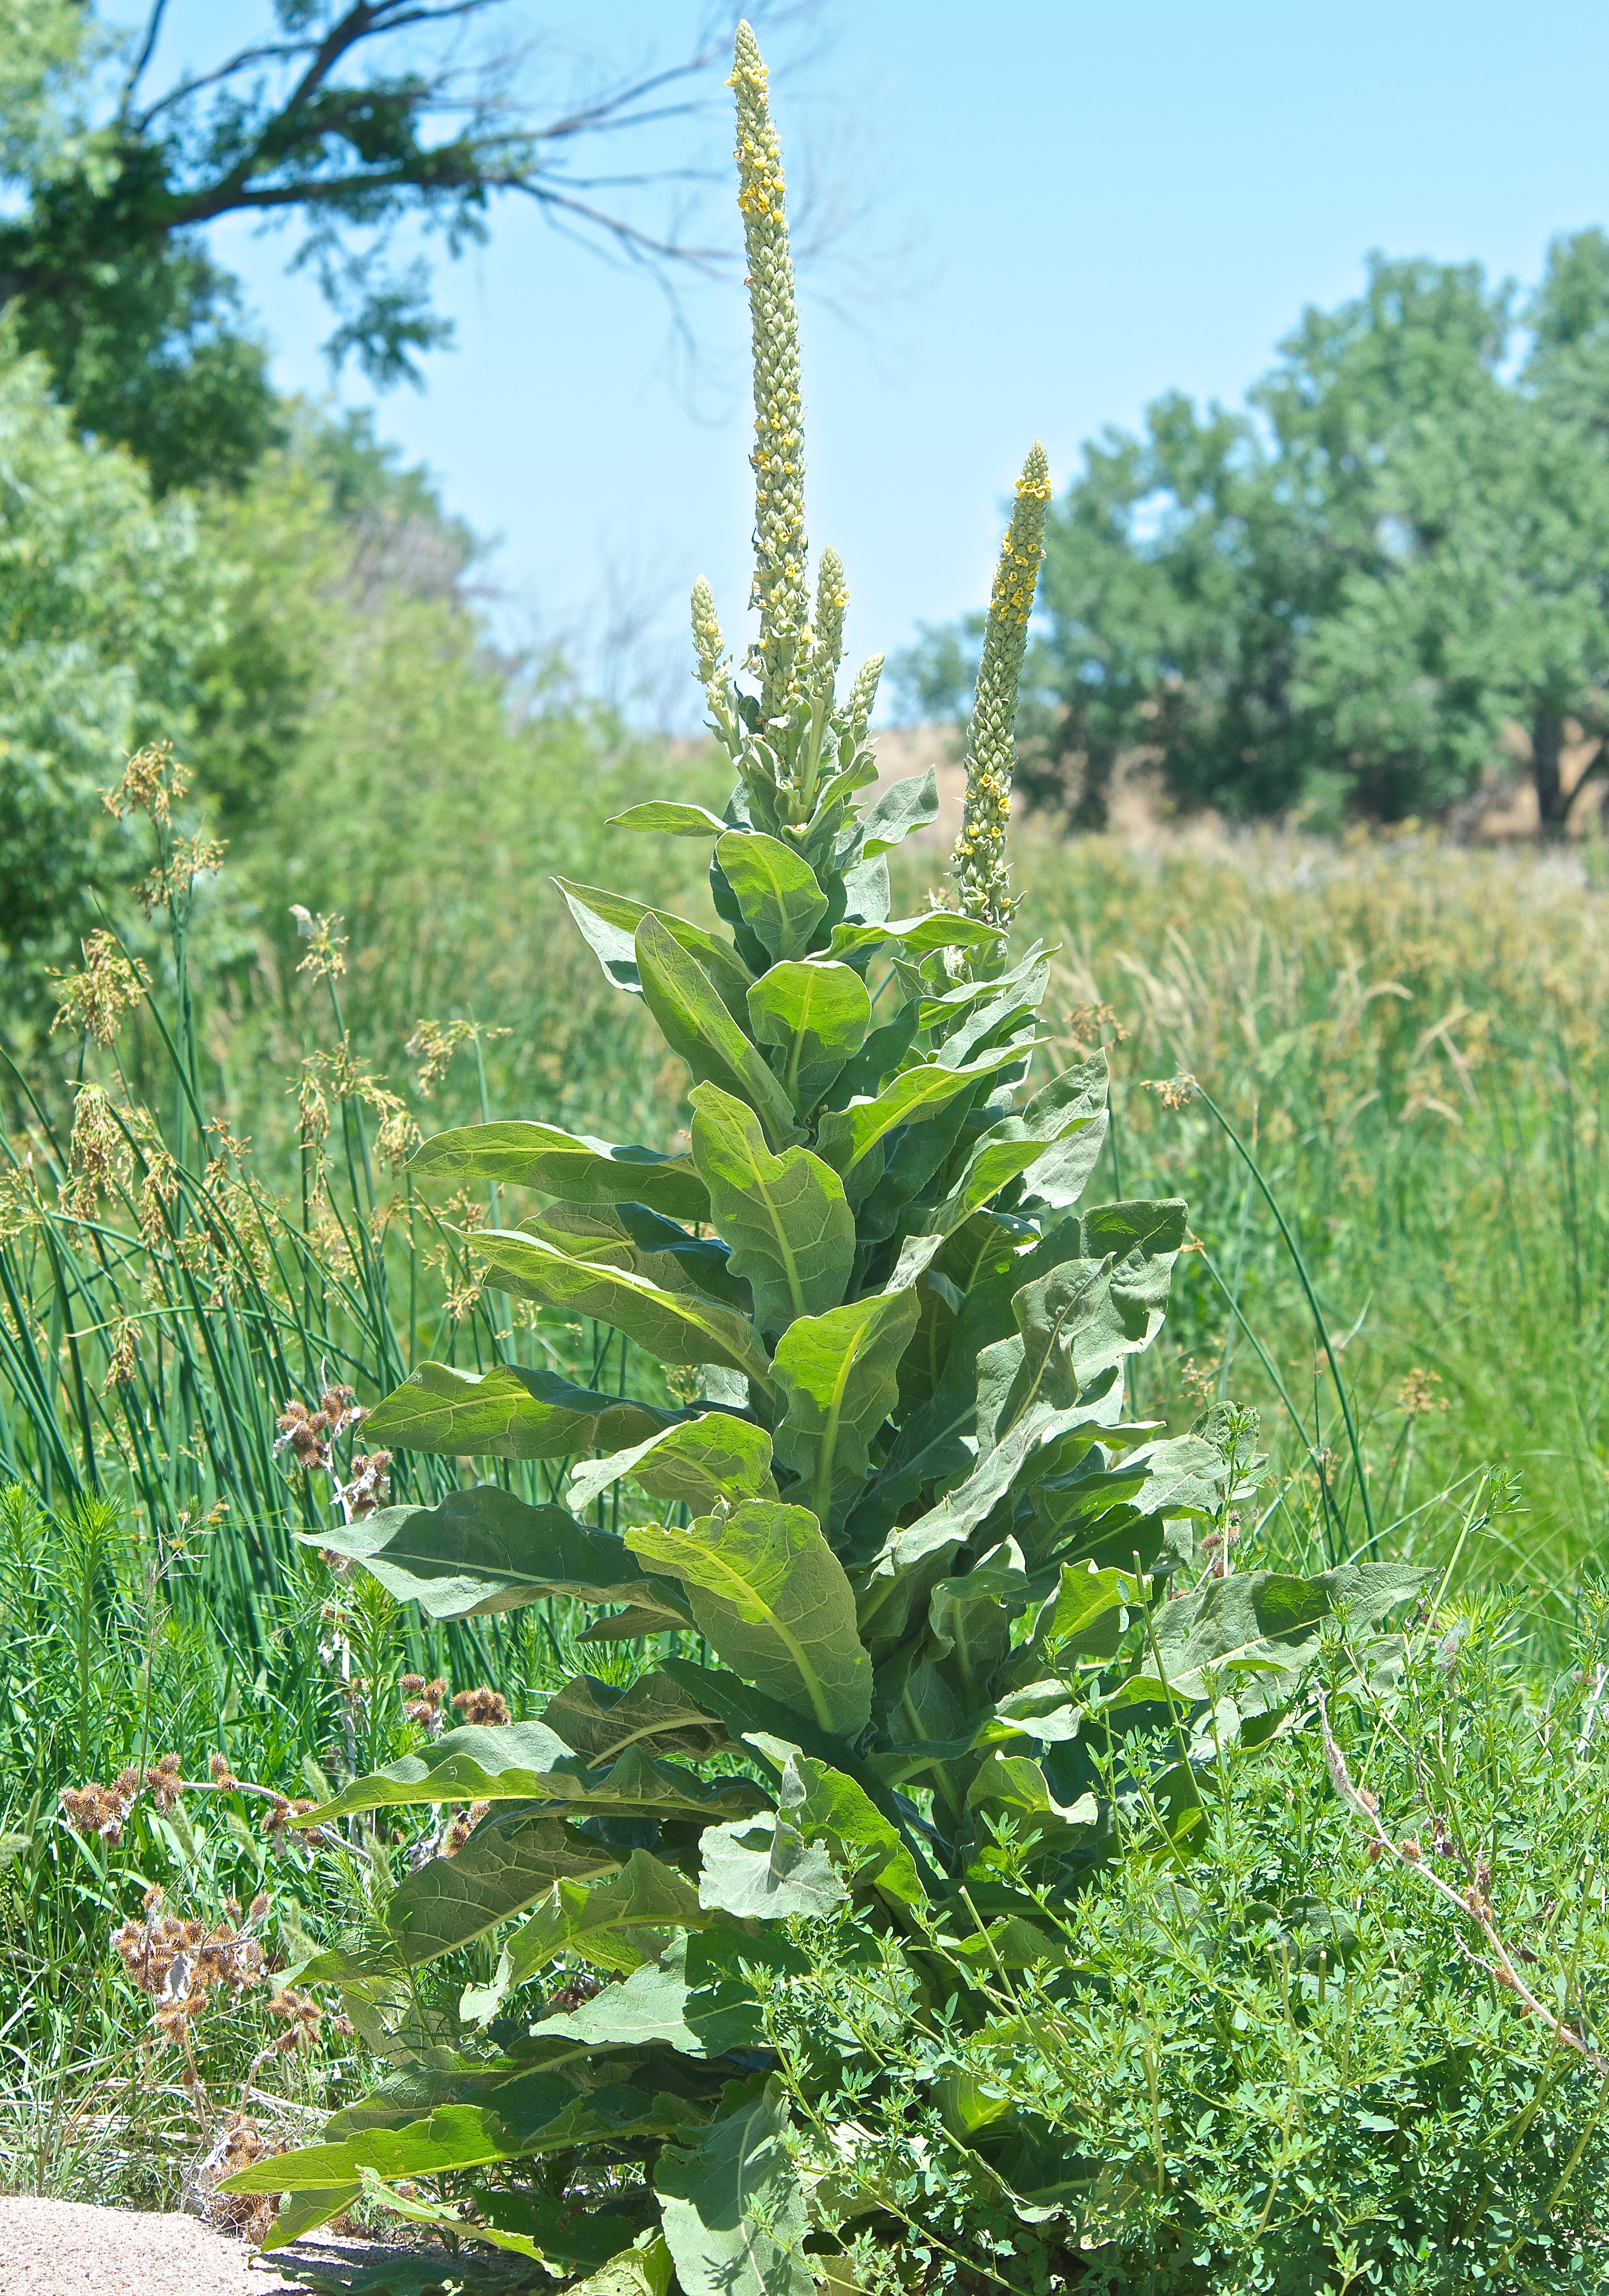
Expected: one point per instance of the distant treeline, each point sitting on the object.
(1339, 600)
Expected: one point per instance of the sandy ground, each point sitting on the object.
(62, 2248)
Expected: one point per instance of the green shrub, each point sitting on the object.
(1294, 2065)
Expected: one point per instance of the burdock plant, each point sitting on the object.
(904, 1520)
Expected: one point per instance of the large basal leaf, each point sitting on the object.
(599, 1719)
(763, 1869)
(776, 889)
(734, 2216)
(785, 1219)
(837, 1374)
(615, 1924)
(525, 1761)
(505, 1866)
(676, 1326)
(770, 1596)
(485, 1550)
(509, 1413)
(695, 1023)
(534, 2112)
(608, 923)
(566, 1164)
(817, 1015)
(714, 1456)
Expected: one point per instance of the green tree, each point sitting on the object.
(107, 602)
(360, 119)
(1335, 598)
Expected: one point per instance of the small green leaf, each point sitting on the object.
(847, 1134)
(616, 1924)
(608, 922)
(770, 1596)
(696, 1462)
(939, 928)
(695, 1023)
(676, 1326)
(776, 889)
(817, 1016)
(670, 819)
(484, 1550)
(838, 1374)
(824, 1805)
(566, 1164)
(785, 1217)
(303, 2212)
(909, 804)
(733, 2215)
(508, 1413)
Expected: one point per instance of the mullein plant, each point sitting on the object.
(896, 1505)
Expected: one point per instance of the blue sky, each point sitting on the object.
(1073, 207)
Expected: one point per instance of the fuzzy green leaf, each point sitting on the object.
(615, 1923)
(817, 1016)
(785, 1219)
(608, 921)
(694, 1022)
(599, 1720)
(770, 1596)
(670, 819)
(695, 1463)
(824, 1805)
(508, 1413)
(909, 804)
(484, 1550)
(505, 1866)
(676, 1326)
(733, 2215)
(838, 1374)
(761, 1869)
(776, 889)
(847, 1134)
(524, 1761)
(566, 1164)
(538, 2111)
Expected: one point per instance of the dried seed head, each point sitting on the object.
(482, 1705)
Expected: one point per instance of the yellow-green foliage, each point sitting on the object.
(1411, 1033)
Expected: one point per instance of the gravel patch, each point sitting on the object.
(63, 2248)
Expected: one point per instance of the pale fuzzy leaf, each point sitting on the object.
(714, 1456)
(770, 1596)
(508, 1413)
(566, 1164)
(817, 1015)
(790, 1229)
(838, 1376)
(733, 2215)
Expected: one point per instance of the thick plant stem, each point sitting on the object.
(979, 862)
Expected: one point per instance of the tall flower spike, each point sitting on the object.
(978, 864)
(832, 598)
(708, 642)
(863, 694)
(781, 591)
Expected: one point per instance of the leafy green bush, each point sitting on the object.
(899, 1554)
(1299, 2063)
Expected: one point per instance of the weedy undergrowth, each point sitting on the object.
(900, 1549)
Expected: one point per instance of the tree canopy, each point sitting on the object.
(365, 123)
(1337, 598)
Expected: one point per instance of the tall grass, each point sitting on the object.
(1403, 1036)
